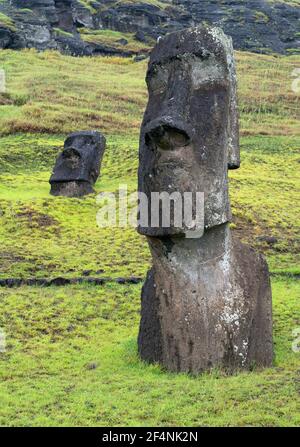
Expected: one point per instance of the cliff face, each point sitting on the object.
(127, 27)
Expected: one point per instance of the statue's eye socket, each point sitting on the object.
(157, 80)
(72, 157)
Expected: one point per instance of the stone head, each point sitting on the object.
(189, 136)
(80, 160)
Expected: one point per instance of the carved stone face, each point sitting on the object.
(78, 164)
(189, 135)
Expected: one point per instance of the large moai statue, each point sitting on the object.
(207, 299)
(78, 166)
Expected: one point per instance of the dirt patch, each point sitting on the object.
(5, 100)
(8, 256)
(244, 230)
(254, 235)
(35, 219)
(60, 281)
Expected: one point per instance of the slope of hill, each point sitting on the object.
(50, 95)
(128, 27)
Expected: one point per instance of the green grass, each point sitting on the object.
(88, 5)
(261, 17)
(111, 38)
(7, 22)
(65, 93)
(287, 2)
(61, 94)
(159, 4)
(61, 32)
(72, 360)
(43, 235)
(55, 236)
(56, 335)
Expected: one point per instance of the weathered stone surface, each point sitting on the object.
(206, 303)
(190, 133)
(140, 36)
(78, 166)
(6, 38)
(207, 300)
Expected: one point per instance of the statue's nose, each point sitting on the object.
(167, 137)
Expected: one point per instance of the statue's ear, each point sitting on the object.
(233, 139)
(233, 120)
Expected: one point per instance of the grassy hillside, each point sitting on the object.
(52, 93)
(71, 351)
(72, 361)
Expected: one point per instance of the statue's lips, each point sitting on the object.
(174, 167)
(169, 177)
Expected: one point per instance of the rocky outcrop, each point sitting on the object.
(259, 25)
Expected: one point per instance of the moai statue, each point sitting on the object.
(207, 299)
(78, 165)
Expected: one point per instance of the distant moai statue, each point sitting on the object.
(207, 301)
(78, 165)
(2, 81)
